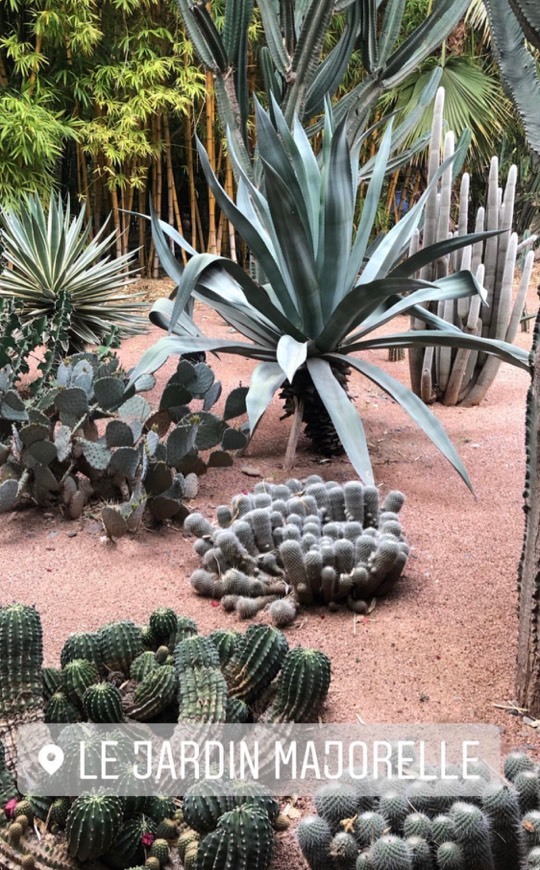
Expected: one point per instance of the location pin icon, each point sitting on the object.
(51, 758)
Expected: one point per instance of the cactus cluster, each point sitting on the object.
(164, 671)
(297, 543)
(89, 436)
(412, 825)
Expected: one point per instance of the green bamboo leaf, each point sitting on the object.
(413, 406)
(266, 378)
(344, 416)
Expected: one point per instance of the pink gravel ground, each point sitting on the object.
(442, 650)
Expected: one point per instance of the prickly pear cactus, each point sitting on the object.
(300, 543)
(144, 460)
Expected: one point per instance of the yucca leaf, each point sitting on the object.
(265, 379)
(413, 406)
(344, 416)
(291, 354)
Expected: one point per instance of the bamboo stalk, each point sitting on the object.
(158, 190)
(211, 151)
(229, 186)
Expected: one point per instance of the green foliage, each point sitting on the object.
(319, 295)
(298, 543)
(56, 454)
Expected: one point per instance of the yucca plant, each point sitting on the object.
(55, 274)
(321, 294)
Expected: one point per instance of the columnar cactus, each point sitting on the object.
(302, 686)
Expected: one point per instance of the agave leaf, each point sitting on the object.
(369, 208)
(344, 416)
(359, 304)
(173, 268)
(439, 249)
(254, 240)
(256, 296)
(457, 286)
(266, 378)
(337, 215)
(413, 406)
(291, 354)
(297, 249)
(153, 358)
(435, 338)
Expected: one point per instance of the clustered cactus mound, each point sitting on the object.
(164, 671)
(298, 543)
(414, 826)
(51, 449)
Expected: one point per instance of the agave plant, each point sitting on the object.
(57, 275)
(321, 294)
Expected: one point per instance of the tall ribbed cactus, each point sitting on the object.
(463, 376)
(293, 68)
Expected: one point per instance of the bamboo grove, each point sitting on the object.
(101, 100)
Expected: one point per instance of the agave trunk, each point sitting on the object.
(318, 426)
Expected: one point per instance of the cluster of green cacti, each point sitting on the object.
(415, 825)
(166, 672)
(297, 543)
(464, 376)
(54, 450)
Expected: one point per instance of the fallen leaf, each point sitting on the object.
(251, 471)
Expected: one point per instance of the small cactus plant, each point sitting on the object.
(300, 543)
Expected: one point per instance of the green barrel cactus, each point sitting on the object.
(391, 853)
(194, 652)
(93, 824)
(202, 695)
(226, 642)
(337, 801)
(315, 838)
(472, 833)
(516, 762)
(59, 709)
(52, 681)
(103, 703)
(82, 645)
(154, 694)
(128, 849)
(501, 806)
(142, 665)
(120, 643)
(259, 657)
(78, 676)
(243, 839)
(163, 623)
(21, 661)
(302, 686)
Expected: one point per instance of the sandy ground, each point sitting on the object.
(443, 650)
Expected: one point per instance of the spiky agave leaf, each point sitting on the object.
(49, 255)
(321, 295)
